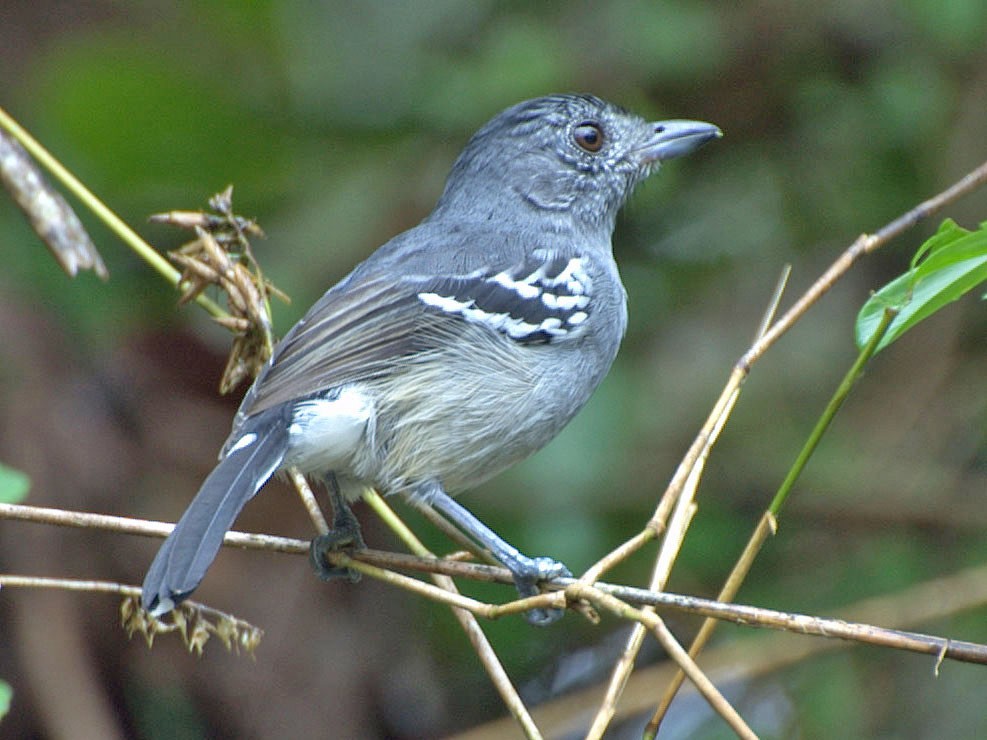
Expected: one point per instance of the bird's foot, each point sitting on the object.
(528, 573)
(343, 536)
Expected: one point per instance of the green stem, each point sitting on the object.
(831, 408)
(94, 204)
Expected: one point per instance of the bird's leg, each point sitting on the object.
(345, 534)
(527, 571)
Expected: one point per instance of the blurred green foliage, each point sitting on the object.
(5, 696)
(14, 485)
(337, 123)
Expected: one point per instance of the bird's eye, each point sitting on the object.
(588, 136)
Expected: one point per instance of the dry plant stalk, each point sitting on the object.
(192, 622)
(964, 589)
(51, 217)
(221, 256)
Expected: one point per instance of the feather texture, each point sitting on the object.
(189, 550)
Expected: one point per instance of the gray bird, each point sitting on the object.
(457, 349)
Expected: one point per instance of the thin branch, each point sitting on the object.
(479, 641)
(436, 593)
(308, 500)
(865, 244)
(684, 508)
(684, 511)
(739, 662)
(654, 623)
(960, 591)
(772, 311)
(959, 650)
(142, 527)
(612, 558)
(829, 413)
(769, 521)
(195, 622)
(69, 584)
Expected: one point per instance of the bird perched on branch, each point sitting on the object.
(458, 348)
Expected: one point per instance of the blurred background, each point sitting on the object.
(337, 123)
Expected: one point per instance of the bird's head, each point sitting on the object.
(566, 157)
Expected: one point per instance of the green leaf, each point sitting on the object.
(955, 262)
(949, 231)
(14, 485)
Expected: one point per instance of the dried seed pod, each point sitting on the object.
(51, 217)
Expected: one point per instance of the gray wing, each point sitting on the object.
(354, 332)
(366, 324)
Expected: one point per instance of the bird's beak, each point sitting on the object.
(673, 139)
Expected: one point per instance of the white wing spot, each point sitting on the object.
(564, 302)
(245, 441)
(445, 303)
(573, 272)
(577, 318)
(568, 292)
(523, 288)
(519, 329)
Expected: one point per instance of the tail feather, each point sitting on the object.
(189, 550)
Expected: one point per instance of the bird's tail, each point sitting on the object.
(189, 550)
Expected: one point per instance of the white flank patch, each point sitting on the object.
(325, 432)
